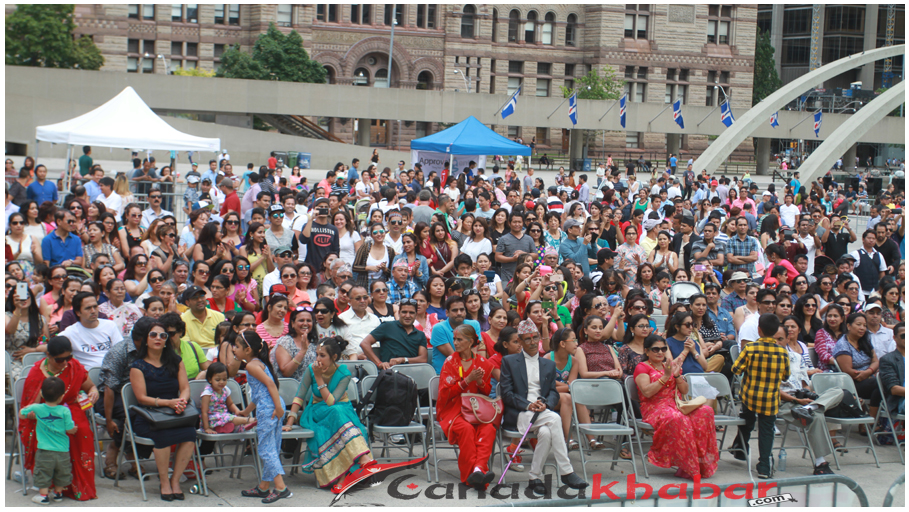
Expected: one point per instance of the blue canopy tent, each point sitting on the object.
(469, 137)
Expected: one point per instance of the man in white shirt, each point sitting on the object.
(748, 332)
(360, 321)
(154, 210)
(282, 255)
(110, 199)
(674, 191)
(90, 337)
(789, 212)
(808, 236)
(881, 337)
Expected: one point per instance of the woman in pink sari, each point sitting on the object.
(687, 442)
(60, 363)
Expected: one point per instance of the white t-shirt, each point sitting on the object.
(493, 286)
(789, 213)
(91, 345)
(749, 330)
(673, 192)
(346, 245)
(474, 249)
(113, 203)
(811, 249)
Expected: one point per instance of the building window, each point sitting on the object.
(381, 78)
(719, 18)
(530, 28)
(543, 87)
(399, 14)
(542, 135)
(844, 19)
(513, 19)
(547, 28)
(192, 49)
(148, 46)
(421, 13)
(189, 64)
(355, 14)
(424, 80)
(219, 14)
(636, 18)
(361, 77)
(675, 90)
(176, 48)
(495, 23)
(513, 83)
(132, 46)
(387, 15)
(233, 14)
(133, 11)
(632, 140)
(569, 69)
(192, 13)
(516, 66)
(571, 30)
(421, 128)
(837, 47)
(219, 50)
(512, 132)
(764, 18)
(285, 15)
(467, 20)
(431, 16)
(569, 84)
(544, 68)
(796, 51)
(797, 21)
(176, 12)
(148, 11)
(636, 83)
(132, 65)
(148, 65)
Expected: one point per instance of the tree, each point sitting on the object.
(275, 56)
(42, 36)
(193, 72)
(592, 86)
(766, 81)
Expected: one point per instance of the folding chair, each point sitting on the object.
(813, 355)
(97, 419)
(14, 414)
(18, 390)
(288, 390)
(29, 360)
(660, 321)
(631, 389)
(415, 427)
(730, 416)
(885, 411)
(129, 399)
(240, 438)
(435, 426)
(504, 433)
(421, 373)
(734, 352)
(369, 366)
(599, 393)
(822, 382)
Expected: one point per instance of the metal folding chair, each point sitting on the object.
(18, 390)
(421, 373)
(631, 389)
(434, 427)
(239, 438)
(730, 417)
(29, 360)
(884, 410)
(822, 382)
(600, 393)
(505, 433)
(415, 427)
(98, 419)
(129, 399)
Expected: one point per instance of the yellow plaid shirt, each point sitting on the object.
(765, 364)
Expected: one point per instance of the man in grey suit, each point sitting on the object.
(528, 389)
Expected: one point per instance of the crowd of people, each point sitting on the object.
(508, 287)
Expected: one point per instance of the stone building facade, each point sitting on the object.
(663, 52)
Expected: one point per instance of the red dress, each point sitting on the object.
(475, 442)
(686, 442)
(81, 449)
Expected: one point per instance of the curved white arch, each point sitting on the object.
(838, 142)
(722, 147)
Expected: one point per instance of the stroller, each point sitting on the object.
(681, 291)
(361, 209)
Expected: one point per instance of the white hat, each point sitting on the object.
(192, 179)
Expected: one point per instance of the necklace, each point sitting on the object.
(51, 372)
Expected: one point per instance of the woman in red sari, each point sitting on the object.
(60, 363)
(464, 372)
(687, 442)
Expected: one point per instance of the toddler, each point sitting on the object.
(219, 413)
(53, 470)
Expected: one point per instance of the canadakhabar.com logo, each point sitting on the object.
(772, 500)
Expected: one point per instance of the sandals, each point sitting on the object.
(625, 454)
(572, 445)
(839, 446)
(110, 471)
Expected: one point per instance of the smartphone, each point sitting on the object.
(322, 211)
(555, 278)
(490, 276)
(547, 305)
(466, 282)
(22, 291)
(699, 268)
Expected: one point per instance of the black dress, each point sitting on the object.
(160, 384)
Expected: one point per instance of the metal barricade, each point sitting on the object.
(806, 491)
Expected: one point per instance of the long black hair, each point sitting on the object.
(259, 348)
(798, 311)
(274, 299)
(170, 360)
(34, 316)
(629, 331)
(864, 343)
(330, 304)
(673, 326)
(311, 337)
(504, 335)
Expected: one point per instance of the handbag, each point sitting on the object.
(165, 418)
(481, 410)
(689, 406)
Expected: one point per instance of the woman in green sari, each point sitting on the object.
(340, 439)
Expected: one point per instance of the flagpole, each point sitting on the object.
(509, 99)
(708, 115)
(812, 114)
(563, 102)
(607, 110)
(658, 115)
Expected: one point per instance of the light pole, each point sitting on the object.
(466, 83)
(845, 107)
(391, 44)
(167, 70)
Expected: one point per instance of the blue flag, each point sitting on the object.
(512, 103)
(622, 109)
(677, 113)
(817, 123)
(775, 119)
(573, 108)
(726, 114)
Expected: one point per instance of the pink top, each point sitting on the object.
(823, 346)
(268, 338)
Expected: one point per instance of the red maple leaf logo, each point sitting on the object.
(412, 486)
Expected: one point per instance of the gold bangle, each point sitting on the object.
(294, 359)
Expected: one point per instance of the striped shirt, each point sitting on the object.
(765, 364)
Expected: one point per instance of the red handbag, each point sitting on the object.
(481, 410)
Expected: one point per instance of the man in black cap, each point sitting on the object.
(281, 255)
(200, 321)
(319, 235)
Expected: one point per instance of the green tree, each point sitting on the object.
(592, 86)
(275, 56)
(766, 81)
(42, 36)
(193, 72)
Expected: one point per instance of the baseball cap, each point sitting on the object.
(320, 201)
(571, 223)
(281, 249)
(191, 292)
(869, 307)
(276, 208)
(195, 164)
(278, 288)
(528, 205)
(714, 182)
(846, 258)
(192, 179)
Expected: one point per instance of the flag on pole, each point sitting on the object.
(677, 113)
(817, 123)
(775, 119)
(573, 108)
(622, 109)
(726, 114)
(512, 103)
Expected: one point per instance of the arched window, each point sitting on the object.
(571, 30)
(514, 18)
(361, 77)
(381, 78)
(530, 28)
(467, 20)
(424, 80)
(329, 75)
(495, 22)
(547, 28)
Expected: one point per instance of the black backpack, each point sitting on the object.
(849, 407)
(392, 400)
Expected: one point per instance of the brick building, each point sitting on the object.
(664, 52)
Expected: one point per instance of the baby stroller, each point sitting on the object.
(681, 291)
(361, 209)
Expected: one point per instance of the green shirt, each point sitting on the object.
(192, 362)
(85, 164)
(395, 342)
(53, 422)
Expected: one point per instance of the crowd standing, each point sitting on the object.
(506, 285)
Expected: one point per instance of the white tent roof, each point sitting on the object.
(124, 122)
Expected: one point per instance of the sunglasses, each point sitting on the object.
(659, 349)
(171, 333)
(289, 276)
(380, 290)
(154, 197)
(342, 290)
(58, 277)
(549, 288)
(155, 280)
(203, 272)
(227, 270)
(378, 232)
(171, 235)
(141, 262)
(232, 222)
(278, 215)
(159, 335)
(321, 311)
(17, 223)
(61, 360)
(396, 222)
(242, 267)
(768, 302)
(687, 324)
(810, 305)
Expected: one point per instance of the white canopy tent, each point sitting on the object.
(123, 122)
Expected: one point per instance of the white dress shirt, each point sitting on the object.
(533, 376)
